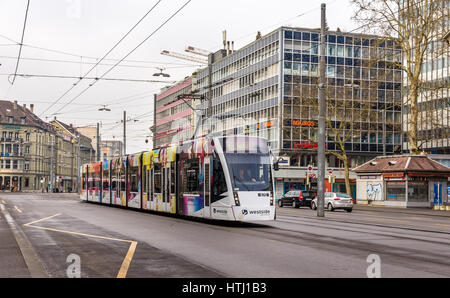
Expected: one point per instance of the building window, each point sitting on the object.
(395, 191)
(417, 191)
(27, 137)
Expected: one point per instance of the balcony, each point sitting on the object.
(11, 154)
(11, 140)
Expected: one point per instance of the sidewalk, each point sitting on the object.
(412, 211)
(12, 263)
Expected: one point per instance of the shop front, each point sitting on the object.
(403, 181)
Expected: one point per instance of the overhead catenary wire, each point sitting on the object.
(107, 64)
(127, 55)
(88, 78)
(21, 42)
(99, 61)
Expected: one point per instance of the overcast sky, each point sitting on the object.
(78, 31)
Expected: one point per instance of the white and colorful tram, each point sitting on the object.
(225, 178)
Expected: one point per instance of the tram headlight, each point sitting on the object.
(271, 200)
(236, 199)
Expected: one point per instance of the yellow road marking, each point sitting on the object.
(3, 201)
(442, 225)
(126, 262)
(18, 210)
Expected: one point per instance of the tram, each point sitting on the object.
(220, 178)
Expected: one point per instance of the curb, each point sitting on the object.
(29, 255)
(399, 210)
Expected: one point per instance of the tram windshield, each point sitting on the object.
(249, 172)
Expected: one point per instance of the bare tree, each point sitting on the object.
(343, 117)
(418, 28)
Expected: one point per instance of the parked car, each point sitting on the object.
(297, 198)
(334, 200)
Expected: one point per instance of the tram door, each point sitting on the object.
(166, 190)
(148, 188)
(207, 187)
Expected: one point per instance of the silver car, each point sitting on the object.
(334, 200)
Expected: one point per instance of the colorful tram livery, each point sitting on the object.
(224, 178)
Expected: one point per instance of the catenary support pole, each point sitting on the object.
(98, 142)
(124, 132)
(322, 113)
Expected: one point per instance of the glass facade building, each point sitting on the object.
(269, 87)
(433, 102)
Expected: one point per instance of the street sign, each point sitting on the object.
(310, 168)
(330, 171)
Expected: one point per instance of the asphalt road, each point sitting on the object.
(112, 242)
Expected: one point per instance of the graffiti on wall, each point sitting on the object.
(374, 192)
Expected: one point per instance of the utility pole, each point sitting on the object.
(98, 141)
(79, 165)
(322, 113)
(124, 133)
(51, 165)
(154, 121)
(384, 131)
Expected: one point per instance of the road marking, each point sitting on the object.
(442, 225)
(3, 201)
(30, 257)
(18, 210)
(125, 263)
(386, 219)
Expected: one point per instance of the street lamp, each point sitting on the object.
(105, 109)
(165, 75)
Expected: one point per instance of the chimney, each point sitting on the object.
(15, 105)
(228, 48)
(32, 108)
(24, 105)
(232, 47)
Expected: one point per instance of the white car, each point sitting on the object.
(334, 200)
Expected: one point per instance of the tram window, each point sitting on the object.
(172, 180)
(134, 183)
(83, 181)
(105, 180)
(98, 181)
(191, 169)
(157, 179)
(122, 183)
(145, 180)
(219, 183)
(114, 184)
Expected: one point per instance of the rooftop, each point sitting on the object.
(402, 163)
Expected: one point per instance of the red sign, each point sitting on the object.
(330, 171)
(298, 145)
(393, 175)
